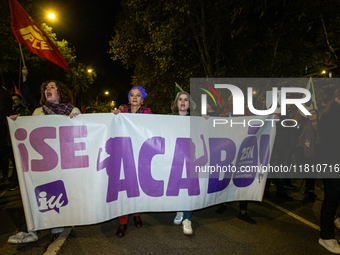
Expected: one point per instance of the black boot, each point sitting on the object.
(121, 230)
(138, 221)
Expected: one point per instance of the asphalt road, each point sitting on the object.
(282, 228)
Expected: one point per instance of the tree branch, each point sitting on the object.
(327, 38)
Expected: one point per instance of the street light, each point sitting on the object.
(51, 15)
(100, 95)
(89, 70)
(323, 72)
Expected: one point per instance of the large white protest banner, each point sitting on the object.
(96, 167)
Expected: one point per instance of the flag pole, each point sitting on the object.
(22, 55)
(19, 74)
(23, 61)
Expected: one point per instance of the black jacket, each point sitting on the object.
(330, 135)
(5, 110)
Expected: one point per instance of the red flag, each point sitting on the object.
(16, 90)
(28, 32)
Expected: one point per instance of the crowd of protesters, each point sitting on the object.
(314, 140)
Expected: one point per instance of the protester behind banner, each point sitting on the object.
(243, 205)
(5, 110)
(55, 100)
(311, 104)
(20, 110)
(281, 156)
(181, 106)
(329, 126)
(308, 148)
(136, 98)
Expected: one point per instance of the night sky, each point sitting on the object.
(88, 26)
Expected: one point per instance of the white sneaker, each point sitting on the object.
(187, 230)
(178, 219)
(23, 237)
(331, 245)
(337, 223)
(57, 230)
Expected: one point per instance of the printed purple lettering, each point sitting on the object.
(247, 157)
(37, 141)
(150, 148)
(68, 147)
(216, 146)
(119, 149)
(21, 134)
(176, 182)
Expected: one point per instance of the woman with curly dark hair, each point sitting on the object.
(55, 99)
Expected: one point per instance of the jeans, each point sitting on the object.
(187, 215)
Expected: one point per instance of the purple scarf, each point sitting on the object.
(59, 109)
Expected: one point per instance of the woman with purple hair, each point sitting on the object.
(136, 97)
